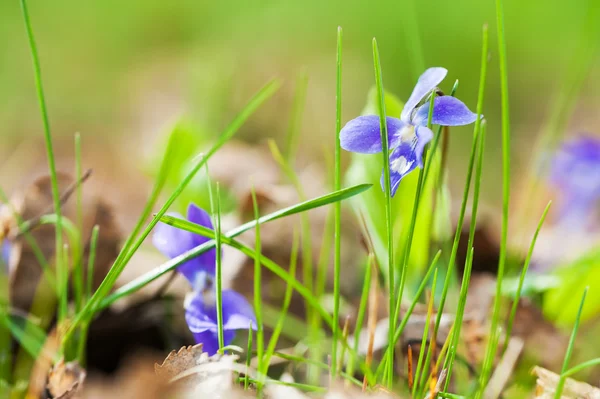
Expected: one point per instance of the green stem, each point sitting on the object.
(337, 207)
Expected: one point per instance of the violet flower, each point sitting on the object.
(575, 172)
(200, 306)
(201, 318)
(172, 242)
(408, 135)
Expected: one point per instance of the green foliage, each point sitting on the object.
(560, 305)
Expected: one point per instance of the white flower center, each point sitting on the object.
(401, 165)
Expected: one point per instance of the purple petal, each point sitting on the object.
(172, 241)
(197, 215)
(575, 172)
(6, 249)
(426, 83)
(406, 157)
(200, 317)
(424, 136)
(447, 111)
(237, 312)
(363, 134)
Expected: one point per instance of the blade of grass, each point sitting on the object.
(78, 281)
(248, 358)
(425, 336)
(491, 347)
(561, 381)
(284, 309)
(260, 339)
(47, 134)
(5, 336)
(464, 288)
(406, 251)
(463, 206)
(31, 337)
(296, 117)
(513, 311)
(152, 275)
(398, 332)
(362, 310)
(388, 200)
(581, 367)
(321, 365)
(337, 208)
(88, 291)
(219, 271)
(95, 303)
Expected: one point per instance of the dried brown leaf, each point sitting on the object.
(179, 361)
(65, 380)
(546, 386)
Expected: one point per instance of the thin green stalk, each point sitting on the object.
(284, 308)
(463, 206)
(513, 311)
(248, 358)
(166, 267)
(337, 185)
(388, 200)
(219, 271)
(78, 279)
(88, 291)
(296, 117)
(581, 367)
(302, 359)
(464, 289)
(406, 316)
(491, 349)
(451, 355)
(362, 310)
(5, 336)
(63, 277)
(561, 381)
(47, 134)
(320, 284)
(257, 286)
(91, 261)
(395, 312)
(95, 303)
(424, 337)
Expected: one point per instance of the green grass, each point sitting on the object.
(337, 185)
(569, 353)
(495, 321)
(388, 205)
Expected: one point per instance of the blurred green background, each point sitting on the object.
(122, 71)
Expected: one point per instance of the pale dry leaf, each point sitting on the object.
(65, 380)
(546, 386)
(180, 361)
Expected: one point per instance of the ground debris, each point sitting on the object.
(546, 386)
(65, 380)
(179, 361)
